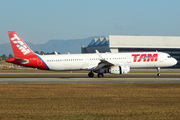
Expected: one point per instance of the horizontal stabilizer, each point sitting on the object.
(17, 60)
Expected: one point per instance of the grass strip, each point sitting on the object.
(90, 101)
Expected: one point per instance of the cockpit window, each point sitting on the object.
(169, 56)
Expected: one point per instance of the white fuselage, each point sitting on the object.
(90, 61)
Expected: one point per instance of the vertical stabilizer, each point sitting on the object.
(19, 47)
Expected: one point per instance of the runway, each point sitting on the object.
(136, 76)
(88, 80)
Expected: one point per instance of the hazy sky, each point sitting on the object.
(38, 21)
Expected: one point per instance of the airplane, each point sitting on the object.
(100, 63)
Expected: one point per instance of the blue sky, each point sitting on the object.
(38, 21)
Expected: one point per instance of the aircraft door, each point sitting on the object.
(86, 60)
(129, 59)
(161, 58)
(39, 62)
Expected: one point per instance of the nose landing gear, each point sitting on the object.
(158, 69)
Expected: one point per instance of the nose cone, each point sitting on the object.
(174, 61)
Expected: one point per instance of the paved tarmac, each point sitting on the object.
(136, 76)
(89, 80)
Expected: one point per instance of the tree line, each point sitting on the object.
(4, 57)
(43, 53)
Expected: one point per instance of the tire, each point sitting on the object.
(91, 74)
(100, 75)
(159, 75)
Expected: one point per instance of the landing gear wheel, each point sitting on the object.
(159, 75)
(100, 75)
(91, 74)
(158, 69)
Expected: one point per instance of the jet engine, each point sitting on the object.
(119, 69)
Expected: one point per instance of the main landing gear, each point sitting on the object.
(158, 69)
(100, 75)
(91, 74)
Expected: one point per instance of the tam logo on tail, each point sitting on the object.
(19, 47)
(23, 55)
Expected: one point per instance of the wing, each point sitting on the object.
(103, 63)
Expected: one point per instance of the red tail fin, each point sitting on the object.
(19, 47)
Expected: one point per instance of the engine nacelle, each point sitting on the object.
(119, 69)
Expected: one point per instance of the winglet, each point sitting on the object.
(99, 55)
(55, 53)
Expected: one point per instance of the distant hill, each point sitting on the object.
(61, 46)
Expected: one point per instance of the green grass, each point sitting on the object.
(90, 101)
